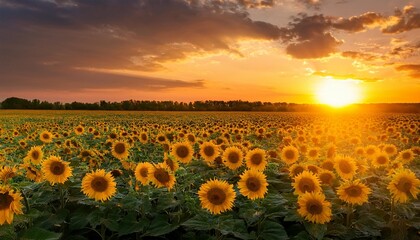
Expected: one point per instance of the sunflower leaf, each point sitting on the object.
(36, 233)
(316, 230)
(272, 230)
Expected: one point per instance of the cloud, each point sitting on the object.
(345, 76)
(309, 37)
(51, 38)
(361, 56)
(403, 20)
(358, 23)
(412, 69)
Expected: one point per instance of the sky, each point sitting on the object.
(188, 50)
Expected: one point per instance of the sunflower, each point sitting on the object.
(9, 204)
(360, 151)
(289, 154)
(120, 150)
(35, 155)
(345, 166)
(79, 130)
(296, 169)
(170, 162)
(371, 150)
(390, 149)
(161, 176)
(326, 177)
(256, 159)
(232, 157)
(404, 183)
(331, 151)
(183, 152)
(381, 159)
(161, 138)
(144, 138)
(46, 137)
(99, 185)
(253, 184)
(217, 196)
(406, 156)
(353, 192)
(142, 171)
(7, 173)
(32, 173)
(56, 170)
(314, 208)
(313, 153)
(306, 182)
(209, 151)
(328, 164)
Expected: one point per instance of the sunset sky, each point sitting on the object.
(187, 50)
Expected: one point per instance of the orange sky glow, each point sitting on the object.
(183, 50)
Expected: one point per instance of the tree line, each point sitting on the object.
(237, 105)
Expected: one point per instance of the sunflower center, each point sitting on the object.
(381, 160)
(313, 153)
(35, 155)
(57, 168)
(119, 148)
(297, 170)
(406, 155)
(256, 159)
(253, 184)
(161, 138)
(353, 191)
(306, 185)
(144, 172)
(144, 137)
(370, 151)
(161, 175)
(46, 136)
(99, 184)
(5, 200)
(79, 129)
(326, 178)
(208, 151)
(389, 150)
(404, 185)
(290, 154)
(314, 207)
(182, 151)
(216, 196)
(344, 166)
(233, 157)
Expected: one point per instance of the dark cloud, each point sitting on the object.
(358, 23)
(345, 76)
(309, 37)
(404, 20)
(413, 70)
(314, 4)
(38, 37)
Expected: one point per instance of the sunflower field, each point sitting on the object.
(208, 175)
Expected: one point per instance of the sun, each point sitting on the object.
(338, 93)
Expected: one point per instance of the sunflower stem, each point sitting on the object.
(62, 200)
(103, 231)
(392, 210)
(349, 213)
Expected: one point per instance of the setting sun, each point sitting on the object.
(338, 93)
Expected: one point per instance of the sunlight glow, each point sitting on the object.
(338, 93)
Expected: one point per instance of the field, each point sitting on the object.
(208, 175)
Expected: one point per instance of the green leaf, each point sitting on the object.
(36, 233)
(199, 222)
(292, 216)
(78, 220)
(316, 230)
(129, 224)
(160, 226)
(7, 232)
(236, 227)
(272, 230)
(301, 236)
(336, 229)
